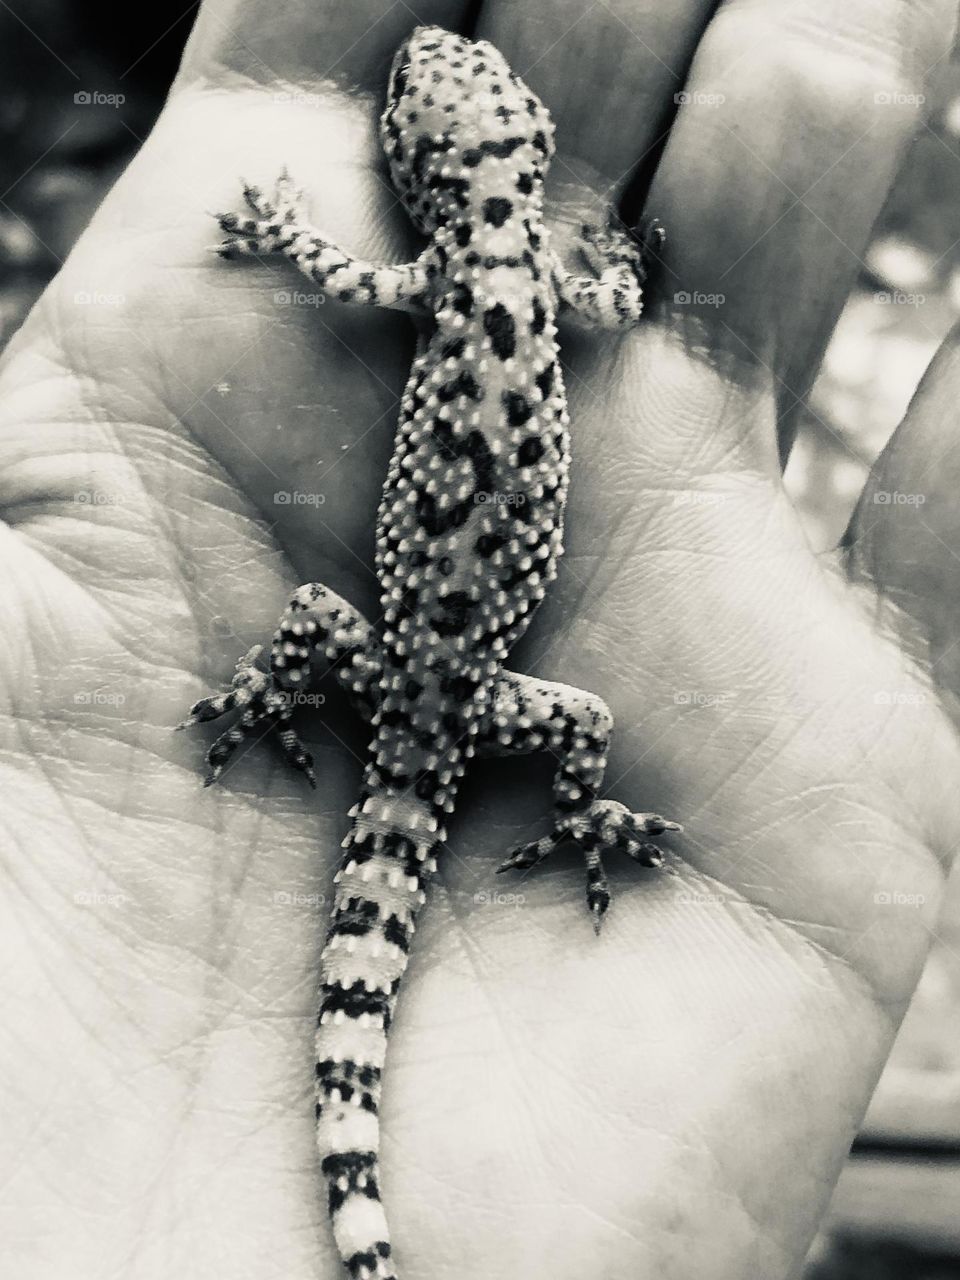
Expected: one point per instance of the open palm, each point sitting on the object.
(185, 441)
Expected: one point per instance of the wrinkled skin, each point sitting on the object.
(675, 1098)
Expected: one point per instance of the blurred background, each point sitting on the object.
(896, 1212)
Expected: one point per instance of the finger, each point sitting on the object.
(904, 541)
(307, 41)
(628, 55)
(779, 162)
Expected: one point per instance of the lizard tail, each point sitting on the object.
(380, 886)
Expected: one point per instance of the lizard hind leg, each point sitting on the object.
(527, 715)
(317, 619)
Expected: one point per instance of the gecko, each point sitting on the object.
(468, 538)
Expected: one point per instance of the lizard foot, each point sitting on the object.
(605, 825)
(264, 703)
(253, 236)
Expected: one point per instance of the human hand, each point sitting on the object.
(677, 1097)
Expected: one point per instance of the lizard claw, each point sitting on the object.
(528, 855)
(603, 826)
(263, 702)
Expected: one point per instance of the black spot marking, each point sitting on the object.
(525, 184)
(488, 543)
(453, 349)
(518, 408)
(425, 146)
(463, 235)
(530, 451)
(397, 933)
(459, 188)
(464, 384)
(427, 785)
(502, 150)
(545, 379)
(496, 210)
(463, 299)
(460, 688)
(348, 1164)
(539, 322)
(355, 1000)
(500, 327)
(456, 611)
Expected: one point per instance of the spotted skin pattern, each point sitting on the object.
(469, 533)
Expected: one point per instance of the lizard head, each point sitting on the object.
(454, 107)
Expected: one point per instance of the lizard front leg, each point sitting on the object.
(612, 298)
(316, 621)
(528, 714)
(280, 225)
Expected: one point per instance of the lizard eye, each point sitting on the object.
(400, 80)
